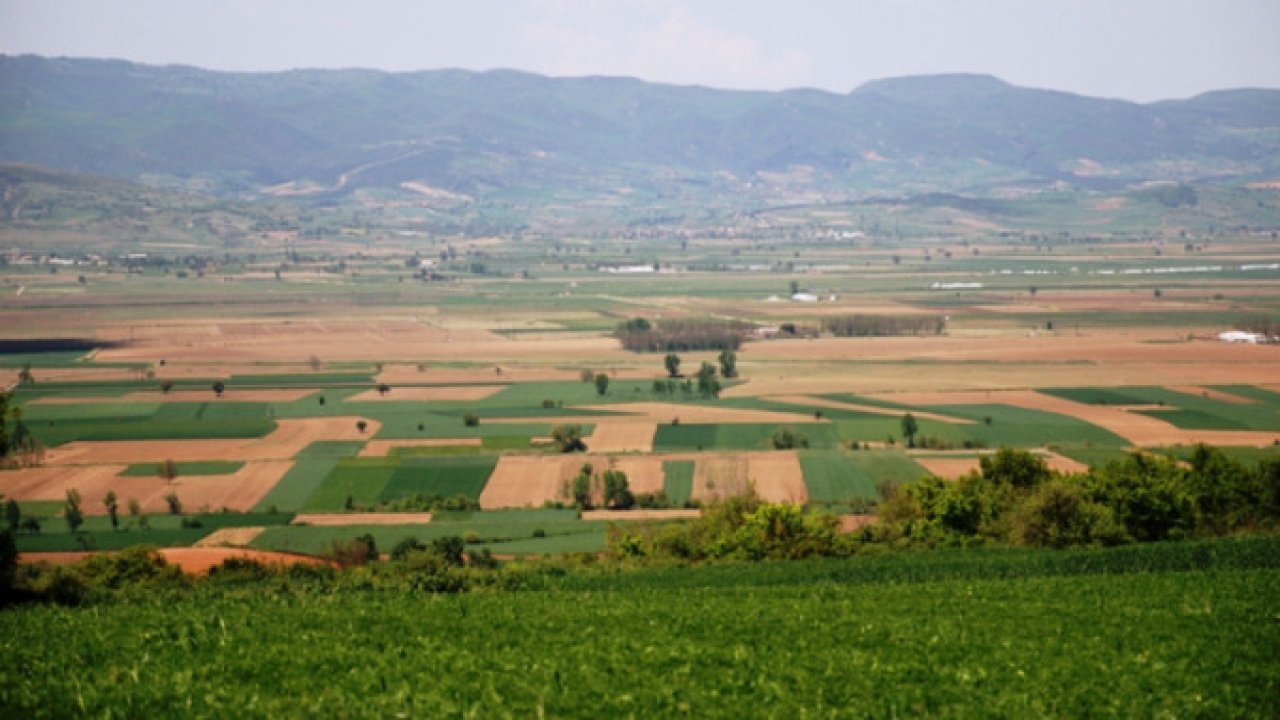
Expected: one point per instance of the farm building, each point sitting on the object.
(1240, 336)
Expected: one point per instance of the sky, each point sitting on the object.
(1141, 50)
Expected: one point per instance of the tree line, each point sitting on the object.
(682, 334)
(884, 325)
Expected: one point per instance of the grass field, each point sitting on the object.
(736, 436)
(1186, 410)
(212, 467)
(677, 480)
(312, 465)
(835, 476)
(55, 425)
(942, 634)
(445, 477)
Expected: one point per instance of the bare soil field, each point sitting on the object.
(429, 394)
(288, 439)
(523, 481)
(382, 448)
(774, 476)
(622, 437)
(182, 396)
(255, 340)
(532, 480)
(230, 537)
(239, 491)
(872, 409)
(951, 468)
(623, 515)
(342, 519)
(1141, 430)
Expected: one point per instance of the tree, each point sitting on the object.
(166, 386)
(602, 383)
(175, 505)
(672, 363)
(219, 387)
(617, 491)
(113, 509)
(383, 389)
(24, 375)
(728, 364)
(167, 470)
(795, 286)
(71, 511)
(568, 438)
(13, 514)
(470, 419)
(135, 512)
(582, 487)
(362, 425)
(909, 429)
(786, 438)
(708, 385)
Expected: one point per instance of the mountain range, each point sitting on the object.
(461, 135)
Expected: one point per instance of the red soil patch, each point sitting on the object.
(854, 523)
(362, 519)
(288, 439)
(382, 448)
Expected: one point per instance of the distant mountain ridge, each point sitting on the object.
(508, 133)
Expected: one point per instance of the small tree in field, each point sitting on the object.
(166, 386)
(135, 512)
(167, 470)
(113, 509)
(175, 505)
(909, 429)
(602, 384)
(219, 387)
(470, 419)
(568, 438)
(71, 511)
(362, 425)
(728, 364)
(383, 389)
(672, 363)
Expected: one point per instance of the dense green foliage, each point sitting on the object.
(682, 334)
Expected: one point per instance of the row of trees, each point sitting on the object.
(884, 325)
(682, 334)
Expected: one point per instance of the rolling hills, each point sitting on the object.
(322, 134)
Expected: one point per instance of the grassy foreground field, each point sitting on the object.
(1132, 632)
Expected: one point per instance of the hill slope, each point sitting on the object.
(504, 132)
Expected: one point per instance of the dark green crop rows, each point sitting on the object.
(1198, 643)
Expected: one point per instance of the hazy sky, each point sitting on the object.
(1136, 49)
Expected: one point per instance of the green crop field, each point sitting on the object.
(443, 476)
(162, 531)
(677, 480)
(517, 532)
(737, 436)
(360, 480)
(1261, 411)
(835, 476)
(311, 467)
(1135, 632)
(214, 467)
(55, 425)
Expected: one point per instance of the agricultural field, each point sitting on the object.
(416, 391)
(1138, 631)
